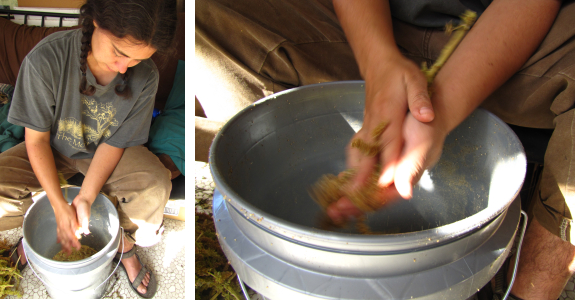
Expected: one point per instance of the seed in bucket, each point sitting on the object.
(84, 252)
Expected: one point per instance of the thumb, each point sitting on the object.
(418, 100)
(84, 219)
(85, 224)
(407, 173)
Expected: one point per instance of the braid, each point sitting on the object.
(123, 89)
(87, 30)
(144, 22)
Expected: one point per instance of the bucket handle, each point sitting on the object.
(118, 264)
(517, 255)
(243, 287)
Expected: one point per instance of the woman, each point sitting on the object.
(86, 99)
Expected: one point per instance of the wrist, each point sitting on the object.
(87, 196)
(59, 206)
(451, 102)
(380, 56)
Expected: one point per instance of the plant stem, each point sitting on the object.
(468, 18)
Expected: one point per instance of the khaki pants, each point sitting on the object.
(247, 50)
(139, 187)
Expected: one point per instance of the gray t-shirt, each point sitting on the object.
(47, 98)
(434, 13)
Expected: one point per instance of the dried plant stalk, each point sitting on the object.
(467, 20)
(366, 148)
(379, 129)
(9, 274)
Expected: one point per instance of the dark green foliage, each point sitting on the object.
(215, 277)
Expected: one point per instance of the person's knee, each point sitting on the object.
(159, 187)
(160, 180)
(155, 178)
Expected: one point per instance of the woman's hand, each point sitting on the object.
(423, 144)
(393, 84)
(71, 221)
(66, 226)
(421, 149)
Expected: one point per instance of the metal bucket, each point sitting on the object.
(267, 156)
(83, 279)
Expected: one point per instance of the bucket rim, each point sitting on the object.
(79, 263)
(320, 237)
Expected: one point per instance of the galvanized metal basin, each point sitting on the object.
(265, 158)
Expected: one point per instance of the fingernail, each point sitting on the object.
(425, 111)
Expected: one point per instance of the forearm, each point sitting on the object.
(103, 164)
(368, 28)
(42, 160)
(501, 41)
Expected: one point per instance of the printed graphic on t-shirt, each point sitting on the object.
(79, 134)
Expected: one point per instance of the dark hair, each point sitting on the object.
(150, 22)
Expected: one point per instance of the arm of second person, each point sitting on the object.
(103, 164)
(497, 46)
(500, 42)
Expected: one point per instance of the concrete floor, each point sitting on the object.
(204, 191)
(166, 260)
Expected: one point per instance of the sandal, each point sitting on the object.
(14, 257)
(152, 285)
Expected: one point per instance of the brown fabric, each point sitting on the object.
(15, 43)
(167, 65)
(246, 50)
(545, 81)
(140, 183)
(258, 54)
(251, 49)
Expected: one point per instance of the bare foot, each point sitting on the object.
(133, 267)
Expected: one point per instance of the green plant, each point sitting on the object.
(215, 277)
(9, 275)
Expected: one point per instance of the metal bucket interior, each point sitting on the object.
(265, 159)
(39, 230)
